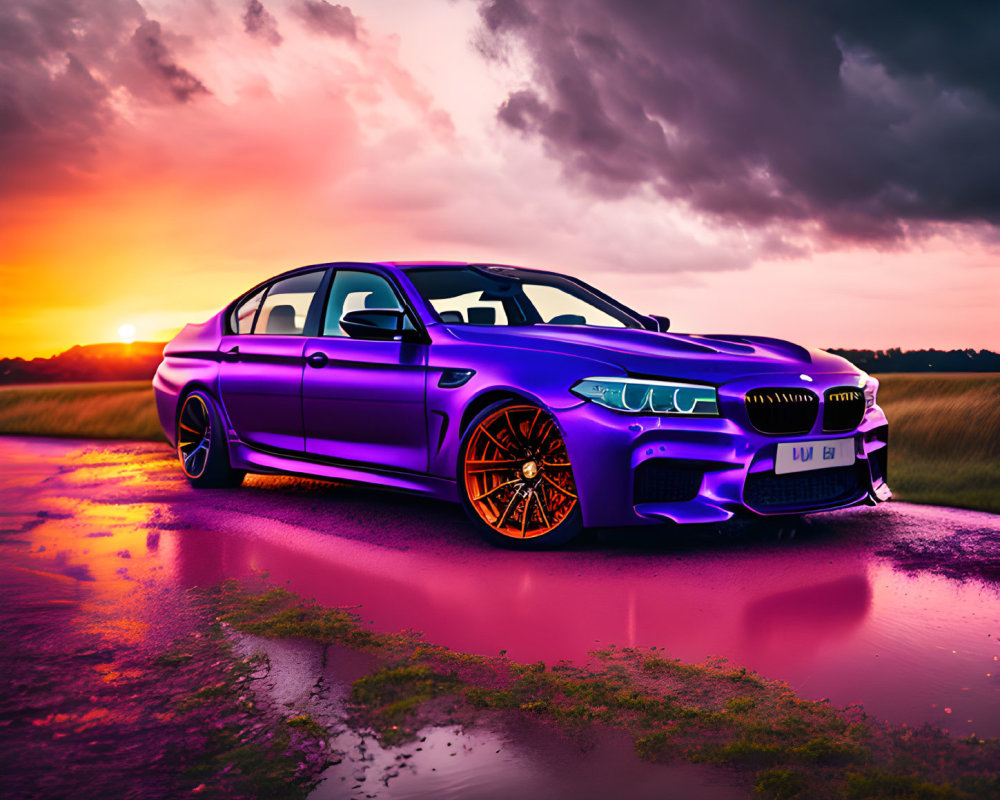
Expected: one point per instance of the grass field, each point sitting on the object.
(944, 438)
(944, 429)
(81, 410)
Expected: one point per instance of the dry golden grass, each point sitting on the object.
(944, 438)
(123, 410)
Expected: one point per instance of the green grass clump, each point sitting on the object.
(779, 784)
(393, 695)
(279, 614)
(309, 726)
(884, 786)
(124, 410)
(944, 438)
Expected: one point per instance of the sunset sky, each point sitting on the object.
(827, 172)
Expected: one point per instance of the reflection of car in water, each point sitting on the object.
(806, 616)
(539, 403)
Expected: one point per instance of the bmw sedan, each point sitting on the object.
(539, 403)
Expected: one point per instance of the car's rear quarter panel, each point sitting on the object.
(190, 359)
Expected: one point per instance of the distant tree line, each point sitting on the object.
(85, 363)
(125, 362)
(896, 360)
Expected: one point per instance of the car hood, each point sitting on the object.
(715, 359)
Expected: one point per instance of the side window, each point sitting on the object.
(241, 319)
(471, 308)
(557, 307)
(351, 291)
(286, 306)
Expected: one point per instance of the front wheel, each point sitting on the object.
(201, 444)
(515, 478)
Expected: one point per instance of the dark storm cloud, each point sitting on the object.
(328, 18)
(860, 118)
(154, 54)
(259, 22)
(60, 61)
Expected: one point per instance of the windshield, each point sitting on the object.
(508, 296)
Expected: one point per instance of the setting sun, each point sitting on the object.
(126, 333)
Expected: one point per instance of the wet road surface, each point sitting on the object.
(895, 607)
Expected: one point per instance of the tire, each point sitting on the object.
(201, 444)
(515, 479)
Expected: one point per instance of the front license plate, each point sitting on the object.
(802, 456)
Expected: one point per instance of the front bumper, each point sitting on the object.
(643, 469)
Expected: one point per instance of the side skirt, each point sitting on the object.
(254, 460)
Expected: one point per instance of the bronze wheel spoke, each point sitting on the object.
(511, 506)
(556, 486)
(503, 447)
(541, 505)
(515, 434)
(496, 488)
(531, 427)
(493, 466)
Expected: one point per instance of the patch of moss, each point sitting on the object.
(308, 725)
(779, 784)
(393, 694)
(480, 697)
(657, 745)
(884, 786)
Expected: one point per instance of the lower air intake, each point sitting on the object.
(765, 491)
(666, 480)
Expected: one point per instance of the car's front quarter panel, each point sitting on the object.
(498, 371)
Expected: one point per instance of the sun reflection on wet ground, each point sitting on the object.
(109, 537)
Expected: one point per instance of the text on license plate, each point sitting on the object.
(802, 456)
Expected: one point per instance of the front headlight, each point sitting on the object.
(871, 389)
(649, 397)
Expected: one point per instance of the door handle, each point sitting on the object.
(233, 354)
(317, 359)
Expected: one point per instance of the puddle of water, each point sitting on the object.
(822, 612)
(836, 624)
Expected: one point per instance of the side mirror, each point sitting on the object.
(385, 324)
(662, 323)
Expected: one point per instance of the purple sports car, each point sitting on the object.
(538, 402)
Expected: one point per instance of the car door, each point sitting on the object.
(260, 375)
(363, 401)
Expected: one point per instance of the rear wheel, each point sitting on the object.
(201, 444)
(516, 480)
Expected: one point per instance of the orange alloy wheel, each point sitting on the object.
(517, 473)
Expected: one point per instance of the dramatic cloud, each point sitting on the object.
(64, 72)
(259, 22)
(823, 120)
(328, 18)
(154, 54)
